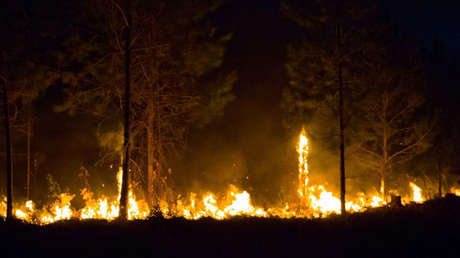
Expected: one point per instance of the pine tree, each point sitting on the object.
(175, 56)
(322, 66)
(24, 78)
(9, 172)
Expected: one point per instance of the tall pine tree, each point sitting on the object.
(176, 84)
(322, 67)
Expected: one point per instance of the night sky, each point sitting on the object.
(429, 20)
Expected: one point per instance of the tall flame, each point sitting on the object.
(302, 150)
(315, 199)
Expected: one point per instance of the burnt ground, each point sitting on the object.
(431, 229)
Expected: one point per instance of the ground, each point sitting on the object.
(425, 230)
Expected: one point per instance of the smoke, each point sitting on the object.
(248, 148)
(111, 140)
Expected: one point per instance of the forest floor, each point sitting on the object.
(431, 229)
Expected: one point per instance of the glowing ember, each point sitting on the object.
(455, 191)
(212, 210)
(241, 205)
(30, 205)
(377, 201)
(326, 203)
(102, 208)
(61, 208)
(235, 203)
(3, 207)
(20, 214)
(416, 193)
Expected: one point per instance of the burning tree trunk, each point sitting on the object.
(125, 176)
(320, 63)
(9, 172)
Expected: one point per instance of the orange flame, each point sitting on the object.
(314, 201)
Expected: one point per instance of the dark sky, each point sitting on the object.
(428, 20)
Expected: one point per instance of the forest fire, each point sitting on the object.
(229, 128)
(314, 201)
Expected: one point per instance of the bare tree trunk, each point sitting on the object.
(125, 176)
(29, 133)
(384, 145)
(341, 126)
(384, 165)
(156, 136)
(150, 161)
(439, 180)
(9, 169)
(157, 151)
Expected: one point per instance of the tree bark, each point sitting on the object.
(125, 176)
(384, 144)
(439, 180)
(341, 126)
(386, 134)
(9, 170)
(29, 133)
(150, 161)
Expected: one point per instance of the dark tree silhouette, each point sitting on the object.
(176, 84)
(126, 145)
(9, 172)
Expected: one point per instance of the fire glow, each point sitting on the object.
(313, 201)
